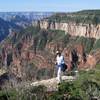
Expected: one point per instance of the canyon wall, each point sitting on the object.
(80, 29)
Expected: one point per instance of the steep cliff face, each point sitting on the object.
(86, 30)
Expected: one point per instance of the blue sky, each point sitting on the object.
(48, 5)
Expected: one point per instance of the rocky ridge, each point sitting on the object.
(74, 29)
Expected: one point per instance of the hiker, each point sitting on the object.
(59, 62)
(74, 59)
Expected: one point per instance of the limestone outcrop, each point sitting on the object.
(51, 84)
(74, 29)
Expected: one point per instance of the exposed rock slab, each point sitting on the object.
(52, 84)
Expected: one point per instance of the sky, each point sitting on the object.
(48, 5)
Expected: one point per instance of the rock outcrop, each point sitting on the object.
(51, 84)
(86, 30)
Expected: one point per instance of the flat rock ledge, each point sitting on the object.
(52, 84)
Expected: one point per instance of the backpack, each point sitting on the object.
(64, 67)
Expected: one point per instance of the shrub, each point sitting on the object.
(8, 94)
(86, 87)
(97, 44)
(87, 42)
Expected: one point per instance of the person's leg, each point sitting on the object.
(59, 75)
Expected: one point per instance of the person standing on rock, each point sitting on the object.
(59, 62)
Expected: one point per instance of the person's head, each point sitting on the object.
(58, 53)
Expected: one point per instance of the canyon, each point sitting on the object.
(29, 54)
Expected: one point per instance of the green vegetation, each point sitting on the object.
(30, 31)
(86, 16)
(87, 42)
(97, 44)
(32, 93)
(56, 35)
(42, 39)
(8, 94)
(85, 87)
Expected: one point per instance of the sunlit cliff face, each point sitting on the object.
(86, 30)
